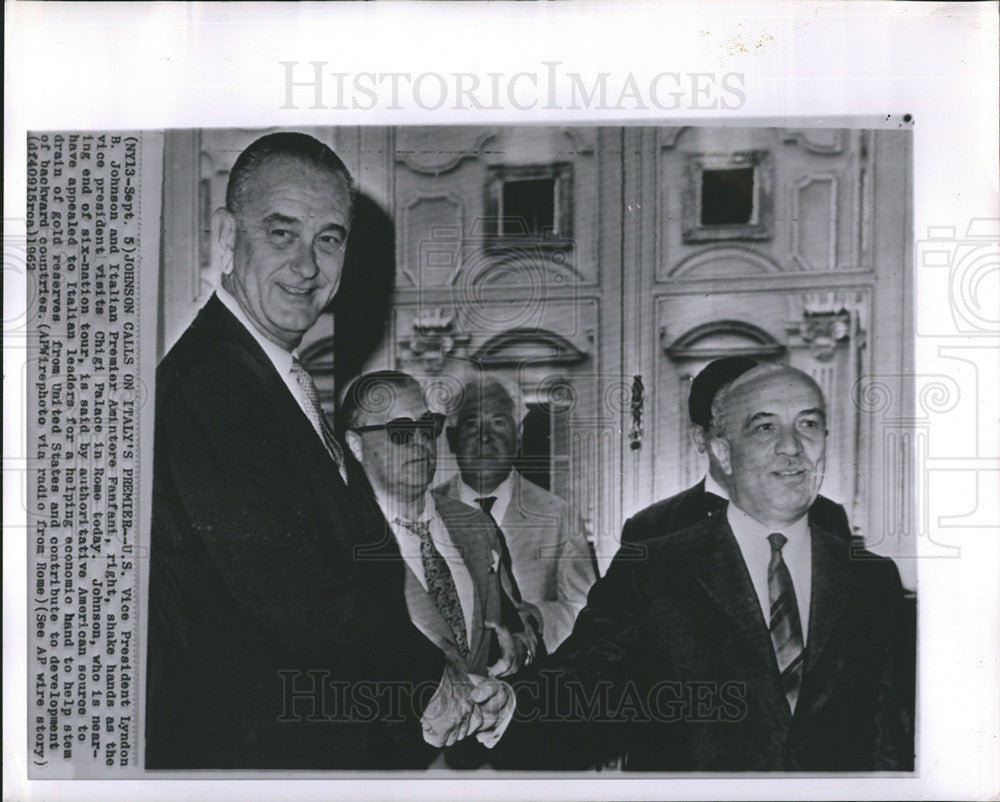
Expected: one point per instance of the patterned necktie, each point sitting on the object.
(486, 503)
(786, 628)
(316, 417)
(440, 583)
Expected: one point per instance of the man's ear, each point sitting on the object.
(224, 237)
(720, 450)
(700, 439)
(353, 440)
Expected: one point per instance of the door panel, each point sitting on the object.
(596, 270)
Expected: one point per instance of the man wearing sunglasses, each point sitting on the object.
(455, 576)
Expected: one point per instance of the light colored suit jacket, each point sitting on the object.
(549, 553)
(472, 533)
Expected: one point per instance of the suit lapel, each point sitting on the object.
(524, 551)
(724, 577)
(711, 504)
(423, 612)
(426, 616)
(513, 514)
(478, 561)
(243, 343)
(830, 590)
(291, 426)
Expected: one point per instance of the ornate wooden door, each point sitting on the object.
(596, 270)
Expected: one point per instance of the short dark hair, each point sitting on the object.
(373, 392)
(284, 144)
(712, 378)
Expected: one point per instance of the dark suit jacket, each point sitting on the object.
(254, 571)
(474, 534)
(671, 663)
(695, 504)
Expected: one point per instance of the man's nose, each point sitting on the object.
(304, 263)
(789, 442)
(422, 438)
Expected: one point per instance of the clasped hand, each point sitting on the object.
(467, 704)
(517, 649)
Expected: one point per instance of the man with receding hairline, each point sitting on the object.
(710, 496)
(543, 536)
(753, 640)
(257, 599)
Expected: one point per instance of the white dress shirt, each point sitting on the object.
(502, 492)
(409, 547)
(712, 486)
(751, 536)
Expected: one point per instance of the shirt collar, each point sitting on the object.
(388, 507)
(745, 526)
(280, 358)
(712, 486)
(503, 493)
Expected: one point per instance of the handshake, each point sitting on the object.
(471, 704)
(468, 704)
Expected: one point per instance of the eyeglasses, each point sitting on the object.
(403, 431)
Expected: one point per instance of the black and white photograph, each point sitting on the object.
(523, 448)
(538, 386)
(464, 454)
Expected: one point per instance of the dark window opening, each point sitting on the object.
(727, 196)
(529, 207)
(534, 459)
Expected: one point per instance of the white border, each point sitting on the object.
(153, 65)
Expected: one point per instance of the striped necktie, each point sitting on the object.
(440, 583)
(316, 417)
(786, 628)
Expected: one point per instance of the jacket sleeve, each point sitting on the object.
(894, 735)
(568, 704)
(574, 577)
(226, 484)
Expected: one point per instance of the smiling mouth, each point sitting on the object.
(789, 474)
(296, 291)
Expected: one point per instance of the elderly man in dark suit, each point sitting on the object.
(753, 640)
(258, 604)
(710, 496)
